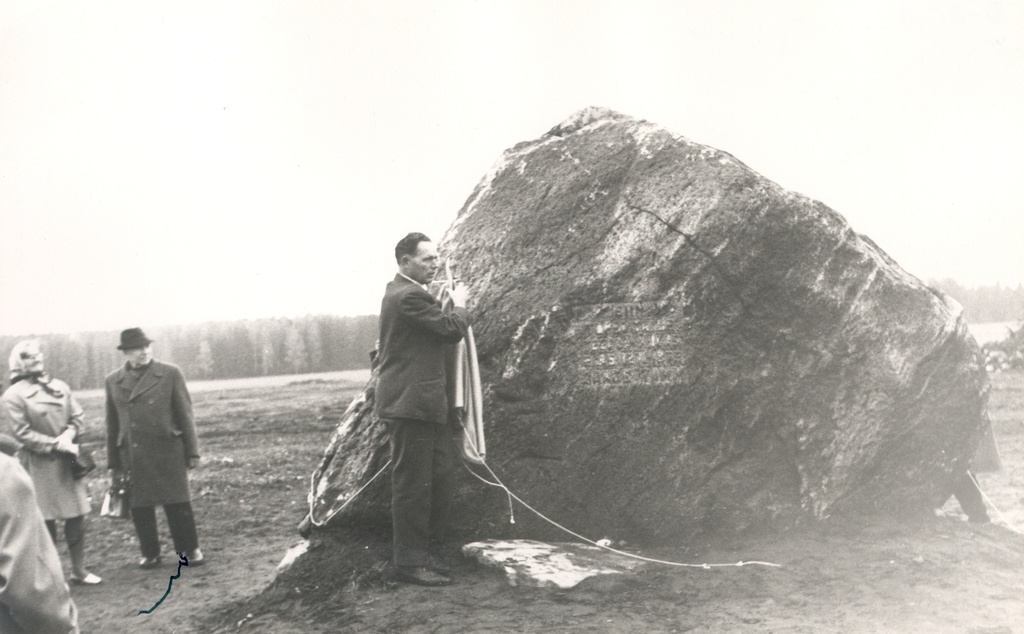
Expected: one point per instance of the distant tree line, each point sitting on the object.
(218, 350)
(985, 303)
(325, 343)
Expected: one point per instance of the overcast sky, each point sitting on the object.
(177, 162)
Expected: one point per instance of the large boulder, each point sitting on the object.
(671, 344)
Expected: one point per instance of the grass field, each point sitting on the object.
(261, 442)
(992, 332)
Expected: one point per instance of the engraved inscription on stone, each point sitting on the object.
(628, 344)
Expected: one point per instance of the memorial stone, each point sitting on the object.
(673, 345)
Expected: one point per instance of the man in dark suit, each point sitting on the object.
(411, 398)
(151, 438)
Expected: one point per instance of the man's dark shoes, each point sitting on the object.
(422, 576)
(149, 562)
(440, 567)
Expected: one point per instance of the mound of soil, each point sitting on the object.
(873, 574)
(318, 589)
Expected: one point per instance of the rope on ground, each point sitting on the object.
(511, 495)
(992, 504)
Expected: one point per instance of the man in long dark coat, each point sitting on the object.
(411, 398)
(151, 439)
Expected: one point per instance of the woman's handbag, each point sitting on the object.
(82, 464)
(116, 505)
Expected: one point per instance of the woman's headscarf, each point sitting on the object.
(23, 357)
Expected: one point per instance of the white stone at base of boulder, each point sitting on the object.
(293, 553)
(539, 564)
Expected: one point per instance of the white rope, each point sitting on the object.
(513, 496)
(705, 566)
(511, 510)
(312, 497)
(992, 504)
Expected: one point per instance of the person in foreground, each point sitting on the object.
(34, 598)
(48, 420)
(151, 442)
(411, 399)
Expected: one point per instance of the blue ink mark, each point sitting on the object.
(182, 561)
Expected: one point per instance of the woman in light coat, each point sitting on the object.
(47, 420)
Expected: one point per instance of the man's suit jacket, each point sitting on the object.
(151, 432)
(414, 332)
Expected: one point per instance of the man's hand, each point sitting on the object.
(459, 295)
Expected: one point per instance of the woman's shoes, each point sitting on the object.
(88, 580)
(149, 562)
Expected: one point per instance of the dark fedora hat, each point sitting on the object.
(133, 338)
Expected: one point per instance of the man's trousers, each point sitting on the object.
(423, 464)
(179, 520)
(969, 496)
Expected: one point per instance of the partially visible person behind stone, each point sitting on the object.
(34, 598)
(411, 398)
(965, 489)
(48, 420)
(151, 440)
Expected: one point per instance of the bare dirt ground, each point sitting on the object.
(260, 445)
(937, 574)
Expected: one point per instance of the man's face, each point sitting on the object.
(139, 356)
(422, 265)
